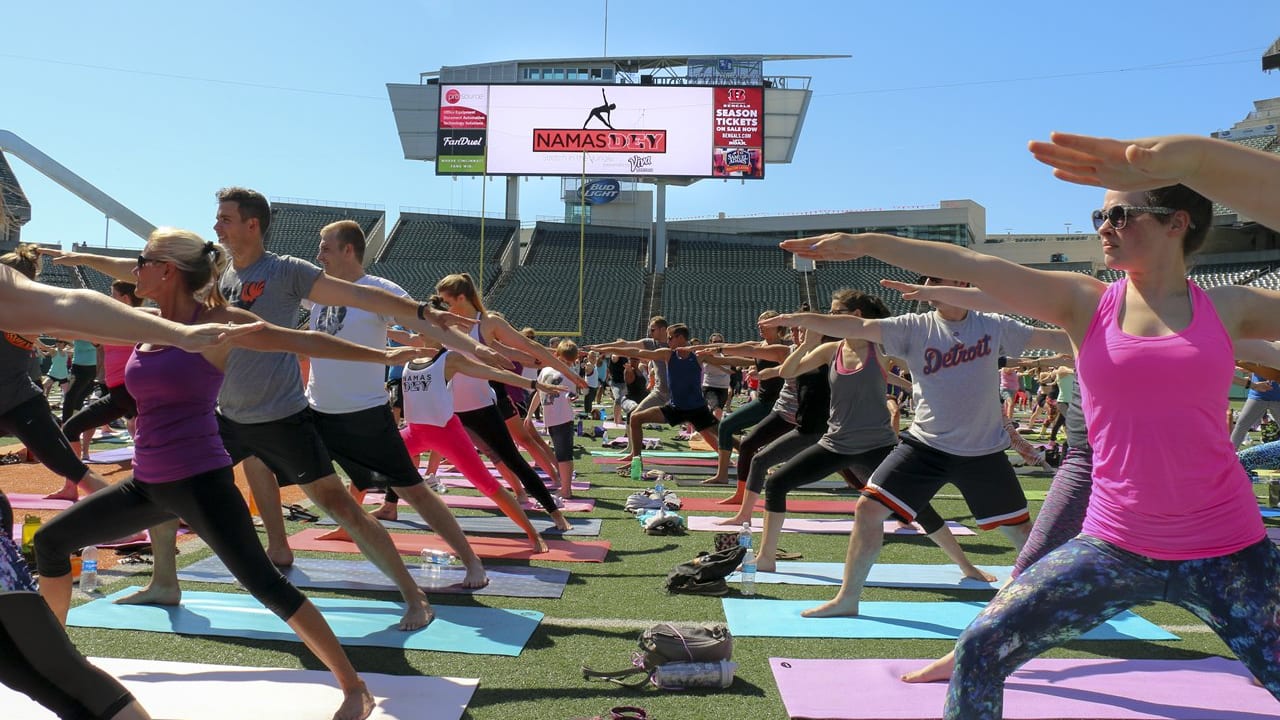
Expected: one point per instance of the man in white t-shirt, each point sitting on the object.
(349, 400)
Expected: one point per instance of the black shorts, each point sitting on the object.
(32, 422)
(914, 472)
(506, 408)
(290, 446)
(717, 398)
(396, 393)
(701, 417)
(562, 441)
(367, 445)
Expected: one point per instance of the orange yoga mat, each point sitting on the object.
(485, 547)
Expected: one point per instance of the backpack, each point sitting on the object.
(705, 574)
(671, 643)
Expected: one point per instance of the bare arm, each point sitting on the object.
(810, 355)
(512, 338)
(459, 363)
(889, 376)
(329, 290)
(273, 338)
(773, 352)
(1047, 339)
(845, 326)
(1247, 312)
(118, 268)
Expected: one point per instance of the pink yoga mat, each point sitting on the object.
(27, 501)
(479, 502)
(707, 523)
(485, 547)
(821, 507)
(456, 480)
(1214, 687)
(145, 539)
(655, 461)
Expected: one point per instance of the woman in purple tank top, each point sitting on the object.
(1173, 519)
(180, 466)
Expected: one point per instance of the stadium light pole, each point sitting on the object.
(606, 28)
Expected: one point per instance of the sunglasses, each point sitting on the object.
(1118, 215)
(143, 260)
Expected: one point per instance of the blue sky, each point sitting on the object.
(160, 104)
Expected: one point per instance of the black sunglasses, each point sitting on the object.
(1118, 215)
(143, 260)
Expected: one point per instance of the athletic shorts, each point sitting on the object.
(366, 444)
(562, 441)
(396, 393)
(618, 391)
(33, 423)
(290, 446)
(506, 408)
(1006, 395)
(701, 417)
(914, 472)
(717, 398)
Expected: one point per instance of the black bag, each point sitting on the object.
(705, 574)
(671, 643)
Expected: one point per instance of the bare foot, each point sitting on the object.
(386, 511)
(418, 614)
(738, 519)
(766, 565)
(356, 705)
(834, 608)
(734, 499)
(974, 573)
(716, 480)
(522, 498)
(936, 671)
(71, 494)
(153, 595)
(539, 545)
(476, 577)
(561, 522)
(337, 534)
(566, 491)
(280, 557)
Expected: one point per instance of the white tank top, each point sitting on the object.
(427, 396)
(471, 393)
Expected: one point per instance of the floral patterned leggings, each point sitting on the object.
(1087, 582)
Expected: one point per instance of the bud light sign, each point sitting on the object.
(599, 192)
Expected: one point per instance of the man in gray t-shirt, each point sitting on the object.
(657, 340)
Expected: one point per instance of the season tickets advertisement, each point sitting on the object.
(662, 131)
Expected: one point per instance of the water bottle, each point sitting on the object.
(433, 563)
(602, 415)
(744, 536)
(89, 569)
(659, 490)
(678, 676)
(578, 428)
(604, 438)
(637, 468)
(749, 573)
(30, 524)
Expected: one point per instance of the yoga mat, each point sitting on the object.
(485, 547)
(193, 691)
(943, 577)
(28, 501)
(144, 539)
(118, 456)
(818, 526)
(758, 617)
(325, 574)
(829, 507)
(615, 457)
(831, 484)
(497, 525)
(369, 623)
(456, 480)
(658, 459)
(1269, 512)
(1042, 689)
(480, 502)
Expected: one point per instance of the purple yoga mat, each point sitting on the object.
(1041, 690)
(27, 501)
(815, 526)
(473, 502)
(456, 480)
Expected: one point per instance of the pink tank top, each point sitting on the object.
(114, 358)
(1166, 481)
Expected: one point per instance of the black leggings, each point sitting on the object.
(589, 399)
(490, 433)
(38, 660)
(816, 462)
(772, 427)
(208, 502)
(82, 377)
(117, 403)
(32, 422)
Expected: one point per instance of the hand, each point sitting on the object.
(832, 246)
(1263, 386)
(552, 390)
(707, 352)
(783, 320)
(446, 319)
(493, 358)
(58, 257)
(578, 381)
(768, 373)
(401, 355)
(196, 338)
(910, 291)
(1123, 165)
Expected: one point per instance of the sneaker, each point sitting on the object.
(436, 484)
(1042, 462)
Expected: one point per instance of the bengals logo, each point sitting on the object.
(18, 341)
(250, 292)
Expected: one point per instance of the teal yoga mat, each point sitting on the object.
(946, 577)
(494, 525)
(370, 623)
(758, 617)
(326, 574)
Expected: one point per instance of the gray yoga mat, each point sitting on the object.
(495, 525)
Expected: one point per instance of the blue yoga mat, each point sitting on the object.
(758, 617)
(306, 572)
(370, 623)
(947, 577)
(492, 524)
(1270, 512)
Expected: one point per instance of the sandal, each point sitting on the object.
(297, 513)
(784, 555)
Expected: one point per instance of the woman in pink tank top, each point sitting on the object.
(1172, 516)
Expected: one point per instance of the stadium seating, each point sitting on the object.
(422, 248)
(295, 229)
(56, 275)
(1208, 276)
(720, 283)
(863, 274)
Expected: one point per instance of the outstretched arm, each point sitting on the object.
(845, 326)
(459, 363)
(1230, 173)
(118, 268)
(512, 338)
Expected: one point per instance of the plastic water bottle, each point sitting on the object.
(637, 468)
(744, 536)
(604, 438)
(89, 569)
(578, 428)
(30, 524)
(749, 573)
(433, 564)
(659, 489)
(678, 676)
(602, 415)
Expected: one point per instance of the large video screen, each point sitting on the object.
(611, 130)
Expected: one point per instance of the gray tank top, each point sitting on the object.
(859, 418)
(788, 401)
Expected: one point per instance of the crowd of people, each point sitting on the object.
(209, 376)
